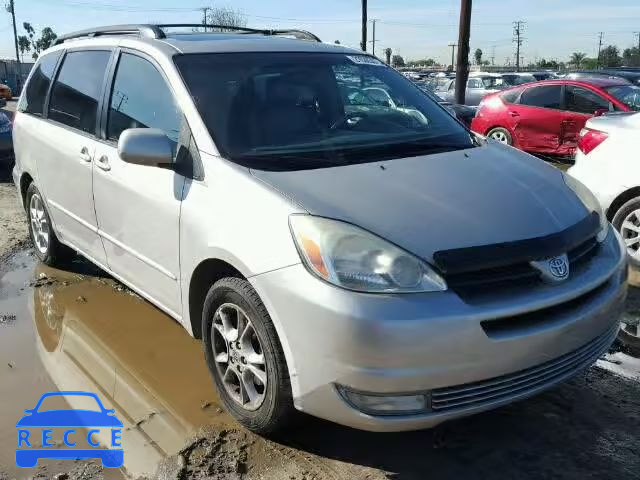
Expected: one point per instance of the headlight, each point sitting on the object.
(590, 202)
(352, 258)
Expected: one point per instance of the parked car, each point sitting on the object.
(478, 87)
(464, 113)
(6, 140)
(360, 265)
(628, 75)
(546, 117)
(606, 162)
(5, 92)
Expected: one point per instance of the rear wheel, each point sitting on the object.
(501, 135)
(245, 357)
(46, 245)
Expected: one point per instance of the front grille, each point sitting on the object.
(519, 272)
(486, 392)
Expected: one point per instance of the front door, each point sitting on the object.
(138, 207)
(65, 168)
(537, 118)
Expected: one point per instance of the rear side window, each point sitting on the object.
(547, 96)
(141, 99)
(582, 100)
(36, 90)
(77, 89)
(511, 96)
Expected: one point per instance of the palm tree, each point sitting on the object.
(387, 54)
(577, 58)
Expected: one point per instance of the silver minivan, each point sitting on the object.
(372, 263)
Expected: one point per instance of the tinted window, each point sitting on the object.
(584, 101)
(627, 94)
(76, 91)
(548, 96)
(288, 110)
(511, 96)
(33, 99)
(140, 98)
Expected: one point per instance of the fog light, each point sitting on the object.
(380, 404)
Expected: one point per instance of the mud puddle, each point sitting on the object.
(77, 330)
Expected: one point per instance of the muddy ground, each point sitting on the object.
(77, 329)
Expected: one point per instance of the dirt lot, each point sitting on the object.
(77, 329)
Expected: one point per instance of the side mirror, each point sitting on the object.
(145, 146)
(600, 111)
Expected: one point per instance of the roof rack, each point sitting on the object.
(155, 31)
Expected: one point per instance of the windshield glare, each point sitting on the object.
(627, 94)
(301, 108)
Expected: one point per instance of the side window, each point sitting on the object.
(36, 90)
(141, 98)
(474, 83)
(582, 100)
(511, 96)
(77, 89)
(547, 96)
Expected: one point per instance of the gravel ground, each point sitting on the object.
(586, 428)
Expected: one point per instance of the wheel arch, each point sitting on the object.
(620, 200)
(25, 180)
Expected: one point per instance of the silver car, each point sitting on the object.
(372, 264)
(478, 87)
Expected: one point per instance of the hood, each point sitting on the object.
(479, 196)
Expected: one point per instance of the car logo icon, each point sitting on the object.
(553, 270)
(38, 419)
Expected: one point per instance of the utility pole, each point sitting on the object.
(637, 34)
(462, 65)
(204, 16)
(12, 9)
(600, 35)
(453, 54)
(373, 37)
(363, 41)
(518, 26)
(493, 54)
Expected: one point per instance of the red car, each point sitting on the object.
(546, 117)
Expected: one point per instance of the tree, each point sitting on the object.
(226, 17)
(631, 57)
(610, 57)
(577, 58)
(387, 55)
(478, 56)
(337, 42)
(589, 63)
(29, 42)
(397, 61)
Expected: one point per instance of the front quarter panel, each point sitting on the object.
(234, 217)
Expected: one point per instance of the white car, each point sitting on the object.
(607, 163)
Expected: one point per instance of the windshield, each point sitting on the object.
(513, 80)
(308, 110)
(495, 83)
(627, 94)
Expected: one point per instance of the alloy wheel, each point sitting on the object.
(239, 357)
(40, 229)
(499, 136)
(630, 231)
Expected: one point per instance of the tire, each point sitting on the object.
(627, 212)
(501, 135)
(51, 251)
(630, 340)
(274, 411)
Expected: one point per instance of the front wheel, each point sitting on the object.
(501, 135)
(245, 358)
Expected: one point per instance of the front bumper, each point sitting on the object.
(435, 342)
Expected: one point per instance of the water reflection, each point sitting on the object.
(94, 337)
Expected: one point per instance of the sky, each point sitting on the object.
(414, 29)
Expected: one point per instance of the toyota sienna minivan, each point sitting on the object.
(374, 264)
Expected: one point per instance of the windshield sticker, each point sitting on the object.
(365, 60)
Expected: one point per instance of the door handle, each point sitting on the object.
(84, 154)
(103, 163)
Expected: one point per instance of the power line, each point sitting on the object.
(518, 27)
